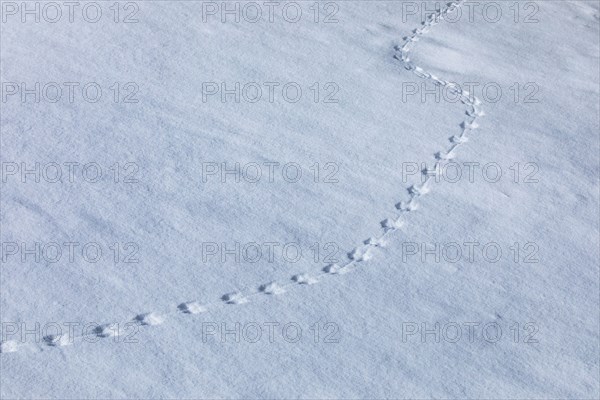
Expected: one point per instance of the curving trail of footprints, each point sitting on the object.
(360, 254)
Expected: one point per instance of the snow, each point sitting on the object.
(374, 313)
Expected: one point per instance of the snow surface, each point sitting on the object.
(363, 303)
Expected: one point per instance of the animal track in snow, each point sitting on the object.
(411, 205)
(150, 319)
(388, 226)
(107, 330)
(362, 253)
(449, 155)
(335, 269)
(191, 307)
(391, 223)
(418, 190)
(9, 346)
(459, 139)
(375, 242)
(304, 279)
(271, 288)
(58, 340)
(234, 298)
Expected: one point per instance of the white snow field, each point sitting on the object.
(137, 263)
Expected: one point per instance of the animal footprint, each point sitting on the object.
(9, 346)
(445, 156)
(107, 330)
(410, 206)
(372, 241)
(234, 298)
(359, 254)
(271, 288)
(475, 113)
(390, 223)
(57, 340)
(459, 139)
(335, 269)
(191, 307)
(150, 319)
(367, 255)
(418, 190)
(473, 125)
(356, 254)
(304, 279)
